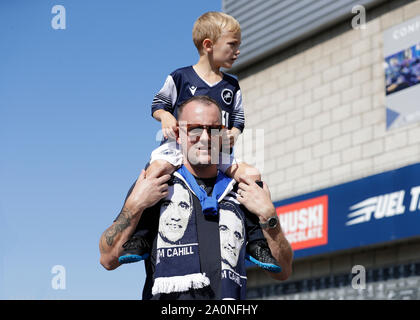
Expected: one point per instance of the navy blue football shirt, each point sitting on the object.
(184, 83)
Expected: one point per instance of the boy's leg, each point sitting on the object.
(257, 249)
(161, 167)
(240, 170)
(253, 228)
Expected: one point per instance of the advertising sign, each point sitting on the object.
(305, 223)
(372, 210)
(402, 73)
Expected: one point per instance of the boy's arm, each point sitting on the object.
(165, 99)
(168, 121)
(238, 115)
(159, 113)
(163, 108)
(238, 119)
(233, 135)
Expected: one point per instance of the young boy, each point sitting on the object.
(217, 37)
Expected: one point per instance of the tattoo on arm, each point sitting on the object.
(123, 222)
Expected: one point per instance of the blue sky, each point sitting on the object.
(75, 131)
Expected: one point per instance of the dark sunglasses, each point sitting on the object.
(196, 130)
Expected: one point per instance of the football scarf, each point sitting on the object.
(178, 258)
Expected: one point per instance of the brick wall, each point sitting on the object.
(323, 112)
(322, 108)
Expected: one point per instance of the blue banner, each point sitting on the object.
(372, 210)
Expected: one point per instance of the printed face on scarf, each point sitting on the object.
(231, 237)
(175, 213)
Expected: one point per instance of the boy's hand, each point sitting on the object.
(233, 135)
(169, 125)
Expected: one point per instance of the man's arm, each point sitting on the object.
(258, 201)
(115, 236)
(280, 249)
(147, 192)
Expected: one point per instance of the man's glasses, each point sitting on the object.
(196, 130)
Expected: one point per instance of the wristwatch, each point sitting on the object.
(271, 223)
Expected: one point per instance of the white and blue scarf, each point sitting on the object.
(178, 258)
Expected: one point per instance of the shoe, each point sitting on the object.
(135, 249)
(259, 253)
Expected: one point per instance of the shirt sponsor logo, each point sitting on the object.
(305, 223)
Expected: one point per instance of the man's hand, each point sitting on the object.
(257, 200)
(147, 191)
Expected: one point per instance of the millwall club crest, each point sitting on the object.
(227, 96)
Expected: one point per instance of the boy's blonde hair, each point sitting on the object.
(211, 24)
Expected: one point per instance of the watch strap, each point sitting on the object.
(266, 225)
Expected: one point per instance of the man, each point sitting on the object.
(203, 264)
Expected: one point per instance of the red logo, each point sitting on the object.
(305, 223)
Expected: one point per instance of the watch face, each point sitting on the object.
(272, 222)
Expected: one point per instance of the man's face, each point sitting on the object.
(231, 237)
(175, 213)
(226, 49)
(199, 147)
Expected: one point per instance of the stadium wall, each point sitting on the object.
(321, 106)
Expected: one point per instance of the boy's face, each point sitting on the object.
(226, 49)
